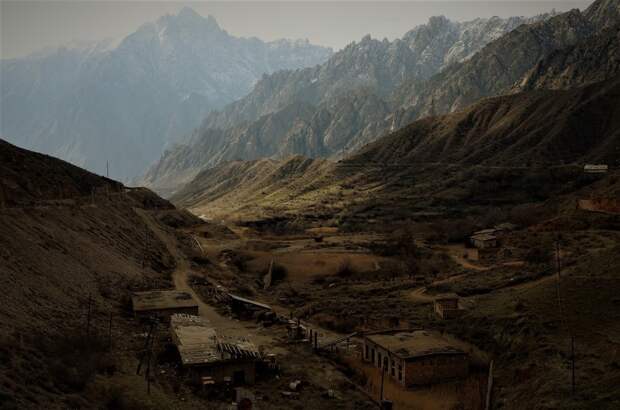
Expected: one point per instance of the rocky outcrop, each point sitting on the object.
(596, 59)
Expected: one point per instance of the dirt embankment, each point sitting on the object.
(608, 205)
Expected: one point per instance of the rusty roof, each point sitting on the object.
(484, 237)
(199, 343)
(162, 299)
(420, 343)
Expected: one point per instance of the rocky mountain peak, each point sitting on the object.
(604, 13)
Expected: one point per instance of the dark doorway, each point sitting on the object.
(239, 377)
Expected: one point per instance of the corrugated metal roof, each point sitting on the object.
(249, 302)
(489, 231)
(407, 345)
(199, 343)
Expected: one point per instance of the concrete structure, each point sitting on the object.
(447, 306)
(417, 357)
(596, 168)
(207, 355)
(484, 240)
(506, 227)
(246, 307)
(163, 304)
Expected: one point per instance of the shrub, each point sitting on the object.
(538, 256)
(278, 272)
(345, 269)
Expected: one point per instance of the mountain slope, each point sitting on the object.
(350, 96)
(124, 103)
(519, 135)
(70, 242)
(536, 127)
(494, 69)
(604, 13)
(594, 60)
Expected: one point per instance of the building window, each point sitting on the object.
(379, 362)
(393, 367)
(400, 372)
(366, 352)
(372, 355)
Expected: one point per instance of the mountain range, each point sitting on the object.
(509, 145)
(560, 114)
(364, 91)
(123, 103)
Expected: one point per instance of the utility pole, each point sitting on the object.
(382, 380)
(558, 259)
(558, 263)
(149, 357)
(110, 333)
(88, 316)
(572, 356)
(107, 169)
(2, 197)
(146, 345)
(146, 246)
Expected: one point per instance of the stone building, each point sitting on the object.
(484, 240)
(447, 306)
(418, 357)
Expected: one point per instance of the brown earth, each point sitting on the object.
(86, 251)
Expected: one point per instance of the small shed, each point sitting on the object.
(596, 168)
(417, 357)
(210, 356)
(163, 304)
(506, 227)
(484, 240)
(447, 306)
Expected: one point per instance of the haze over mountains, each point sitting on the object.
(123, 104)
(371, 88)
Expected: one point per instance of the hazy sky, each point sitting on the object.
(28, 26)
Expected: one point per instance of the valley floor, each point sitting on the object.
(342, 282)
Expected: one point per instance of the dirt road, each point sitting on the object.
(180, 277)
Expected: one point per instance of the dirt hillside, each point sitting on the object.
(67, 235)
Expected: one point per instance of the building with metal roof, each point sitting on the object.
(418, 357)
(484, 240)
(163, 303)
(205, 353)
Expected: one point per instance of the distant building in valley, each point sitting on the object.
(596, 168)
(505, 228)
(447, 306)
(163, 304)
(484, 240)
(416, 357)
